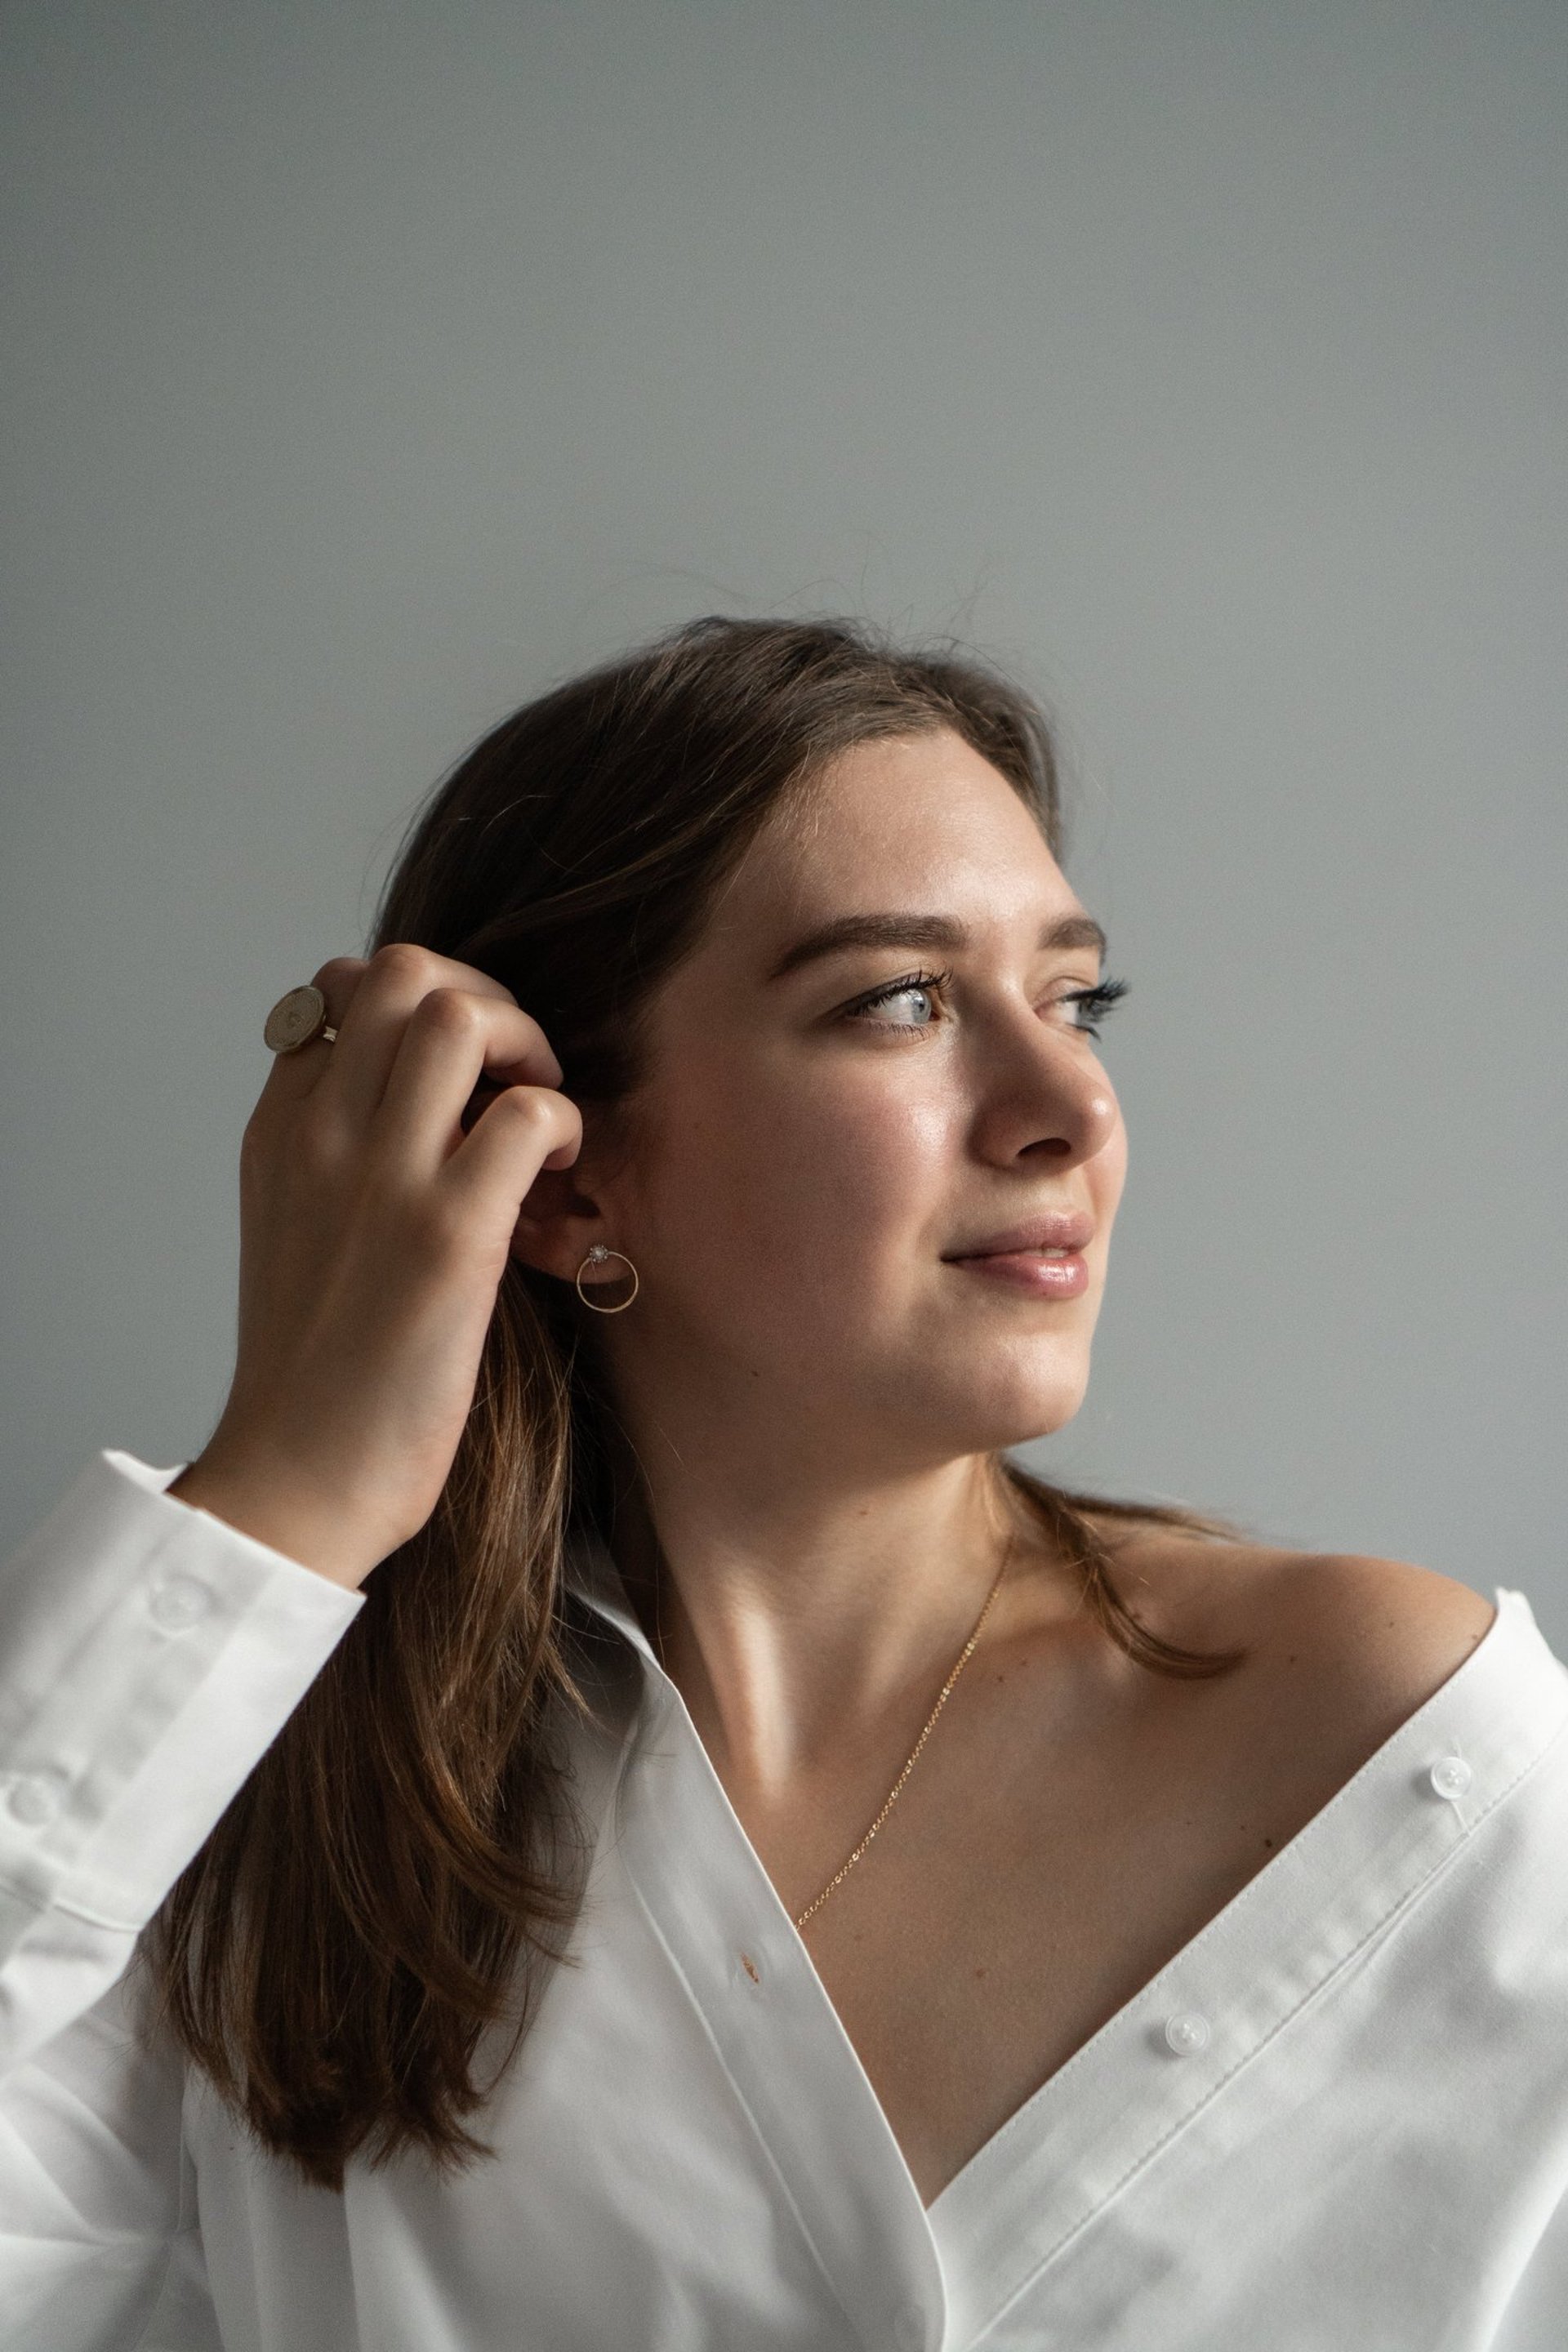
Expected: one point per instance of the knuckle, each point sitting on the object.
(532, 1109)
(402, 960)
(336, 968)
(525, 1103)
(451, 1012)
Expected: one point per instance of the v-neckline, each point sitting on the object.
(1315, 1904)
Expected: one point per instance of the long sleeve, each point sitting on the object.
(149, 1653)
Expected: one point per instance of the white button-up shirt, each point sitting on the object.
(1336, 2121)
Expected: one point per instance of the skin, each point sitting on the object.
(809, 1391)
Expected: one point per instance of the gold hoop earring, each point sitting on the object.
(596, 1256)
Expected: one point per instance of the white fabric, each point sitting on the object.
(1337, 2120)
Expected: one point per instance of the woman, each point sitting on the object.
(655, 1833)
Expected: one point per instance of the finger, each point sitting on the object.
(297, 1070)
(524, 1130)
(451, 1038)
(397, 978)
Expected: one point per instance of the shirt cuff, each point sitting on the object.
(149, 1655)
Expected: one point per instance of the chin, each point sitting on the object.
(1044, 1422)
(985, 1421)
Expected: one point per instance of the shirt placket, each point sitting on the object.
(745, 1969)
(716, 1914)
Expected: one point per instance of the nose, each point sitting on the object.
(1043, 1097)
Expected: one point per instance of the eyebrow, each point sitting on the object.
(939, 932)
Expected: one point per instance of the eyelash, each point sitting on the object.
(1098, 1000)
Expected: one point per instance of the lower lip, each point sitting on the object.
(1042, 1277)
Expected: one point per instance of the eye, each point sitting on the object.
(1094, 1004)
(913, 983)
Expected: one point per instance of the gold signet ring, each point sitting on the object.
(296, 1019)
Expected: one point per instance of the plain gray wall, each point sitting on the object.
(372, 367)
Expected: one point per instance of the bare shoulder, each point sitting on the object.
(1396, 1630)
(1377, 1637)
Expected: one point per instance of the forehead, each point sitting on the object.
(909, 821)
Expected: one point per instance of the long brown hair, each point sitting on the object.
(387, 1882)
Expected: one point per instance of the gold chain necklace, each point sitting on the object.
(842, 1873)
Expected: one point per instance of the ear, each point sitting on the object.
(557, 1224)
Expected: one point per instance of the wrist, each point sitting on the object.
(277, 1512)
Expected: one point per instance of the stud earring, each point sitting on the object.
(596, 1256)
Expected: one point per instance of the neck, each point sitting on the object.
(788, 1607)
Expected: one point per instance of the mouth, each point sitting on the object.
(1043, 1257)
(1054, 1233)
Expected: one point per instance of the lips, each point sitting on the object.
(1053, 1229)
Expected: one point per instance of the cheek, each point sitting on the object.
(814, 1182)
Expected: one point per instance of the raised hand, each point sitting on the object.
(375, 1219)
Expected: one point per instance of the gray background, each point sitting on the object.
(373, 366)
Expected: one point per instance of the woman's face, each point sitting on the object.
(811, 1166)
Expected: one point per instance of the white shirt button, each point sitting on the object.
(1186, 2031)
(1450, 1776)
(34, 1800)
(179, 1603)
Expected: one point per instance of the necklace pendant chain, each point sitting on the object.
(842, 1873)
